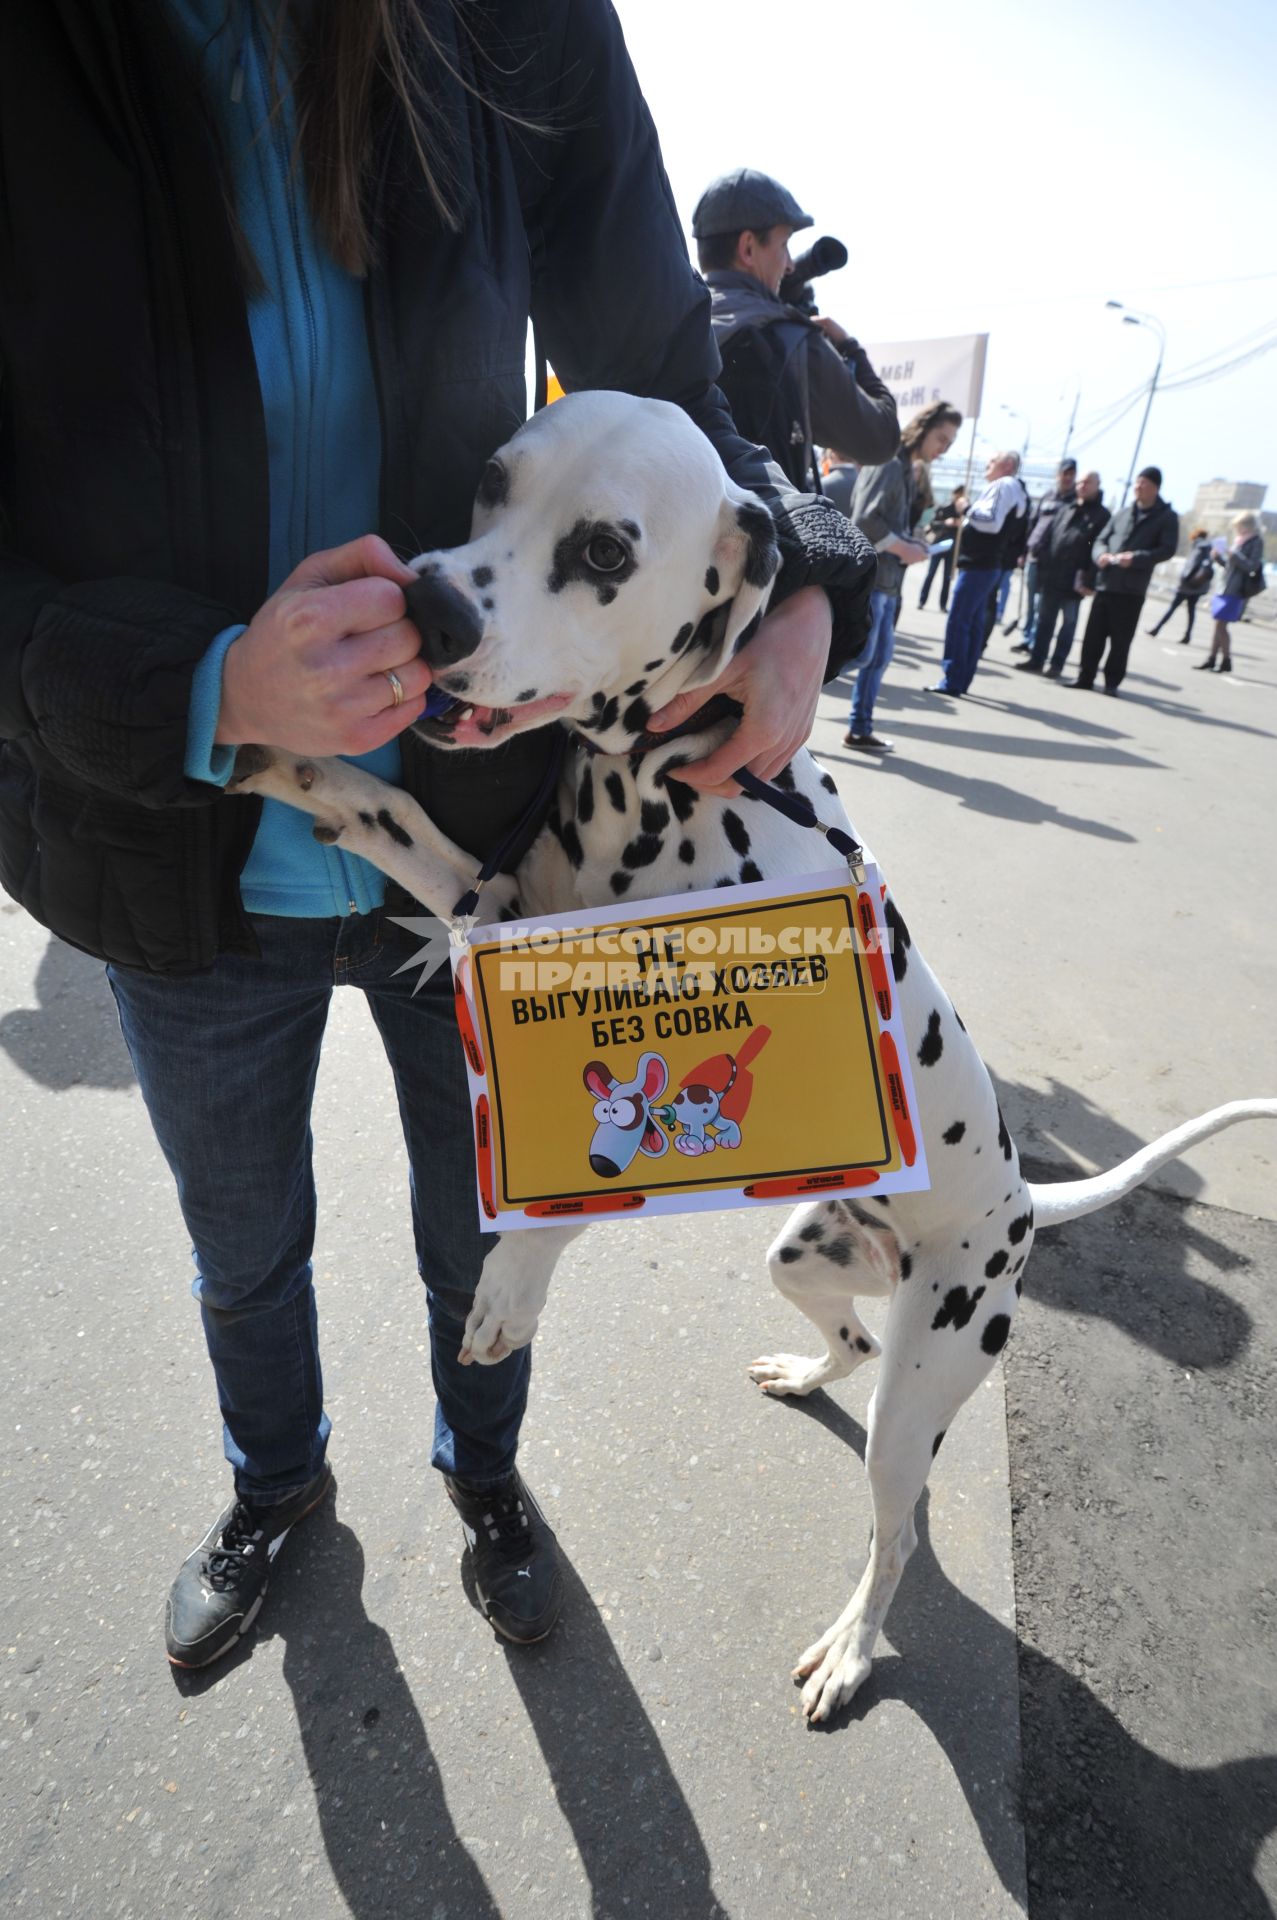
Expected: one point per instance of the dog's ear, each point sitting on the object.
(745, 561)
(652, 1075)
(598, 1080)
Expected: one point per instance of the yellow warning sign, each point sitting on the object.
(705, 1050)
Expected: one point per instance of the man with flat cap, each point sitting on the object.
(790, 378)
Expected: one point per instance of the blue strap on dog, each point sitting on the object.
(800, 810)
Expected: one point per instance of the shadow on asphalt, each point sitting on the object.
(391, 1842)
(72, 1037)
(1193, 1833)
(985, 796)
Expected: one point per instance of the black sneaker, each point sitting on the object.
(868, 743)
(513, 1555)
(219, 1592)
(1028, 666)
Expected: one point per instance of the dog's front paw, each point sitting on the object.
(494, 1329)
(686, 1144)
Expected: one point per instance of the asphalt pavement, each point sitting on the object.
(1093, 879)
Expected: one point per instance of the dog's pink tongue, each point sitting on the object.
(480, 726)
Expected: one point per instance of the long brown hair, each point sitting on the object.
(345, 56)
(941, 413)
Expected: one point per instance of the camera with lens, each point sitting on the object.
(823, 256)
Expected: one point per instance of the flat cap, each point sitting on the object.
(746, 199)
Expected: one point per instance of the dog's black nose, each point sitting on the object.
(449, 626)
(606, 1169)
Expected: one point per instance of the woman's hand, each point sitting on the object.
(309, 671)
(777, 679)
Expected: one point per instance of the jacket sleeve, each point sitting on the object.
(1104, 542)
(880, 505)
(1144, 559)
(615, 302)
(97, 676)
(850, 407)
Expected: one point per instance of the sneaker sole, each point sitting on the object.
(224, 1646)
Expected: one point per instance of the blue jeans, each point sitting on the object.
(875, 660)
(964, 629)
(226, 1062)
(1030, 601)
(1054, 603)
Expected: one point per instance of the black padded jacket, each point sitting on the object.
(133, 464)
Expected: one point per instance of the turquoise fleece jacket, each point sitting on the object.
(322, 428)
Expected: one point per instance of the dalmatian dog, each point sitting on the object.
(698, 1108)
(611, 564)
(623, 1115)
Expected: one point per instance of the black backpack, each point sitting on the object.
(1198, 569)
(767, 394)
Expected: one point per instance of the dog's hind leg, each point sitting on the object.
(944, 1331)
(828, 1252)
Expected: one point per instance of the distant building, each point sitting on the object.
(1217, 501)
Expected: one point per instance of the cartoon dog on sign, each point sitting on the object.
(714, 1095)
(623, 1114)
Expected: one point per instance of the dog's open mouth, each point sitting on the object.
(461, 723)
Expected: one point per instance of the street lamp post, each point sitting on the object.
(1132, 319)
(1028, 431)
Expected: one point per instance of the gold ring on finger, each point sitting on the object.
(396, 685)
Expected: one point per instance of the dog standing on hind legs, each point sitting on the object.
(612, 564)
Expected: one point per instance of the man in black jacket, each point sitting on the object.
(790, 379)
(1135, 541)
(161, 590)
(1064, 573)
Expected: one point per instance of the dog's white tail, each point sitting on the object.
(1069, 1199)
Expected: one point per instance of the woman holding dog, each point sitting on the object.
(262, 322)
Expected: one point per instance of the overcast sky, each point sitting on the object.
(1006, 168)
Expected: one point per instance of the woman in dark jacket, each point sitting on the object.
(230, 388)
(946, 525)
(1195, 577)
(1243, 566)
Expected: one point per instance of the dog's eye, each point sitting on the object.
(605, 554)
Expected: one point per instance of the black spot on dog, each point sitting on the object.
(788, 1255)
(681, 638)
(1004, 1138)
(864, 1345)
(784, 779)
(1019, 1227)
(325, 835)
(606, 593)
(636, 716)
(906, 1265)
(883, 1199)
(749, 872)
(488, 603)
(900, 941)
(615, 790)
(481, 576)
(628, 526)
(522, 699)
(995, 1263)
(932, 1044)
(494, 485)
(650, 666)
(828, 783)
(813, 1231)
(654, 816)
(637, 687)
(957, 1308)
(389, 825)
(762, 555)
(585, 796)
(682, 798)
(367, 819)
(620, 882)
(737, 833)
(837, 1251)
(1019, 1286)
(603, 715)
(935, 1444)
(994, 1337)
(711, 579)
(709, 633)
(725, 880)
(844, 1333)
(953, 1134)
(570, 840)
(686, 852)
(642, 850)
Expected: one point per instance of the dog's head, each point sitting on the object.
(623, 1114)
(612, 563)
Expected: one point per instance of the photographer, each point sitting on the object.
(789, 376)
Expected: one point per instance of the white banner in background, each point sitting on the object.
(919, 372)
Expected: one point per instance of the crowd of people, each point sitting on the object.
(797, 381)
